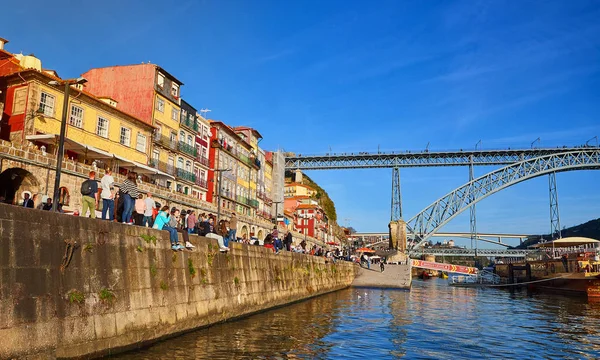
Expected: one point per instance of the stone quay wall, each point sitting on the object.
(118, 289)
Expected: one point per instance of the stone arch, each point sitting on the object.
(16, 181)
(244, 231)
(260, 234)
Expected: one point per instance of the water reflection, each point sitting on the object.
(433, 321)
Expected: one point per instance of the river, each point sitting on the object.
(432, 321)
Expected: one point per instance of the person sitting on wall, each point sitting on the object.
(48, 204)
(211, 233)
(162, 223)
(27, 202)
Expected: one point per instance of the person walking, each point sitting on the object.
(130, 193)
(233, 227)
(148, 213)
(140, 209)
(108, 195)
(89, 190)
(287, 241)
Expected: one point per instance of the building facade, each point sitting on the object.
(151, 93)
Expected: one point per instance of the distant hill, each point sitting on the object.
(590, 229)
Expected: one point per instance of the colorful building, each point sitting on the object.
(152, 94)
(231, 153)
(98, 131)
(297, 189)
(202, 165)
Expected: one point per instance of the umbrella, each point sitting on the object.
(365, 250)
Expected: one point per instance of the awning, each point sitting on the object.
(95, 153)
(566, 242)
(71, 145)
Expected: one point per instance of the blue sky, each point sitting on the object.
(355, 75)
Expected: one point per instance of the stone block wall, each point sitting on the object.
(121, 290)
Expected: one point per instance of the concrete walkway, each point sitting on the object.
(394, 277)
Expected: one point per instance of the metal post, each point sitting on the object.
(61, 147)
(555, 231)
(396, 208)
(219, 178)
(472, 212)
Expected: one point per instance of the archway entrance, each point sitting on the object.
(14, 182)
(260, 234)
(244, 232)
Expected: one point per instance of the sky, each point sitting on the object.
(356, 76)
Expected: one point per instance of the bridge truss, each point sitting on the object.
(436, 215)
(417, 159)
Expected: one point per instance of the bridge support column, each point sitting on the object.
(555, 231)
(396, 210)
(472, 212)
(398, 235)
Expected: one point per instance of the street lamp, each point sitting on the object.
(219, 178)
(61, 140)
(277, 211)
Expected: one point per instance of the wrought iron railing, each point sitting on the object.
(188, 149)
(162, 166)
(190, 123)
(186, 175)
(201, 182)
(165, 141)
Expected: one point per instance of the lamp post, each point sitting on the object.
(220, 171)
(277, 211)
(61, 139)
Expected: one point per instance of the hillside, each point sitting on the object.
(590, 229)
(324, 200)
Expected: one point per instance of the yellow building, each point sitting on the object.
(97, 130)
(297, 189)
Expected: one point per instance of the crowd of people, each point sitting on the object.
(125, 203)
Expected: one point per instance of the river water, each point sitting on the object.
(432, 321)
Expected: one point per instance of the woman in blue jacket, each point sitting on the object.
(162, 223)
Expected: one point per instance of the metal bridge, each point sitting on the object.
(522, 164)
(365, 160)
(493, 238)
(474, 252)
(436, 215)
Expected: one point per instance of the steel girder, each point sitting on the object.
(420, 159)
(475, 252)
(438, 214)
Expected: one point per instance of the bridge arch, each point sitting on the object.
(446, 208)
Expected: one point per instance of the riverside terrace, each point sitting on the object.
(74, 287)
(34, 171)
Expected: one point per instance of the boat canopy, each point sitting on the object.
(567, 242)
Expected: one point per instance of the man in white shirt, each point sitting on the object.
(148, 212)
(108, 195)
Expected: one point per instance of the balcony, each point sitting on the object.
(254, 203)
(188, 149)
(162, 166)
(202, 160)
(201, 182)
(264, 214)
(186, 175)
(189, 123)
(165, 141)
(250, 161)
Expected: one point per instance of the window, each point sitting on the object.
(180, 163)
(190, 140)
(182, 136)
(76, 118)
(102, 128)
(158, 130)
(188, 166)
(174, 114)
(160, 80)
(183, 115)
(155, 156)
(160, 105)
(173, 136)
(19, 101)
(175, 90)
(47, 104)
(125, 138)
(141, 142)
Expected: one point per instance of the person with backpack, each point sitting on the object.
(89, 192)
(108, 195)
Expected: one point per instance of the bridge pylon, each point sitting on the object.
(555, 231)
(397, 225)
